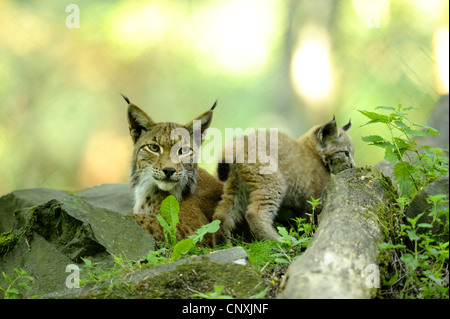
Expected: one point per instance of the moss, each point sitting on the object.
(9, 240)
(187, 279)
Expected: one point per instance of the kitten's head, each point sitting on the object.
(165, 153)
(335, 146)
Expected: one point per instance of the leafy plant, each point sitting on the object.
(93, 272)
(414, 166)
(314, 203)
(418, 258)
(12, 291)
(169, 220)
(421, 265)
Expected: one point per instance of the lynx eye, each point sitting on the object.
(347, 153)
(153, 148)
(184, 151)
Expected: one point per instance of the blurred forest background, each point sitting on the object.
(288, 64)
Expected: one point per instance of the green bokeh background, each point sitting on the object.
(63, 121)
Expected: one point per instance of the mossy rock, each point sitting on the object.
(47, 238)
(24, 198)
(116, 197)
(420, 205)
(182, 279)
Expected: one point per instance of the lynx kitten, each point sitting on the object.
(304, 168)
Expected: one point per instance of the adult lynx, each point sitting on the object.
(163, 164)
(304, 168)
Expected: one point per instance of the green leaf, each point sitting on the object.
(424, 225)
(283, 232)
(182, 248)
(24, 286)
(391, 155)
(401, 125)
(261, 294)
(410, 262)
(12, 292)
(167, 229)
(282, 261)
(412, 235)
(433, 277)
(20, 271)
(413, 221)
(6, 277)
(415, 132)
(429, 130)
(212, 227)
(302, 241)
(402, 174)
(402, 144)
(375, 117)
(393, 280)
(86, 261)
(391, 246)
(170, 209)
(28, 277)
(163, 222)
(407, 108)
(390, 108)
(373, 139)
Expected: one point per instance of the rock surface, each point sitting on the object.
(180, 279)
(115, 197)
(51, 232)
(23, 198)
(53, 235)
(421, 205)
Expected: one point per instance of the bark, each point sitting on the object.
(341, 259)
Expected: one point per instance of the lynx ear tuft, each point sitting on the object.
(348, 125)
(214, 106)
(125, 98)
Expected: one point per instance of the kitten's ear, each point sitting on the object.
(327, 132)
(139, 122)
(205, 120)
(348, 125)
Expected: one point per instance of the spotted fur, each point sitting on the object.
(304, 167)
(155, 174)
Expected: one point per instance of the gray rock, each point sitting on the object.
(23, 198)
(387, 168)
(61, 232)
(420, 205)
(115, 197)
(221, 261)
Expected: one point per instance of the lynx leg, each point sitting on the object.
(226, 222)
(263, 208)
(230, 210)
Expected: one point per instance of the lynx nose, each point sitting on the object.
(168, 171)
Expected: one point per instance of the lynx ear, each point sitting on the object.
(327, 132)
(348, 125)
(139, 122)
(205, 120)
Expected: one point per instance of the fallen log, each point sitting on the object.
(341, 259)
